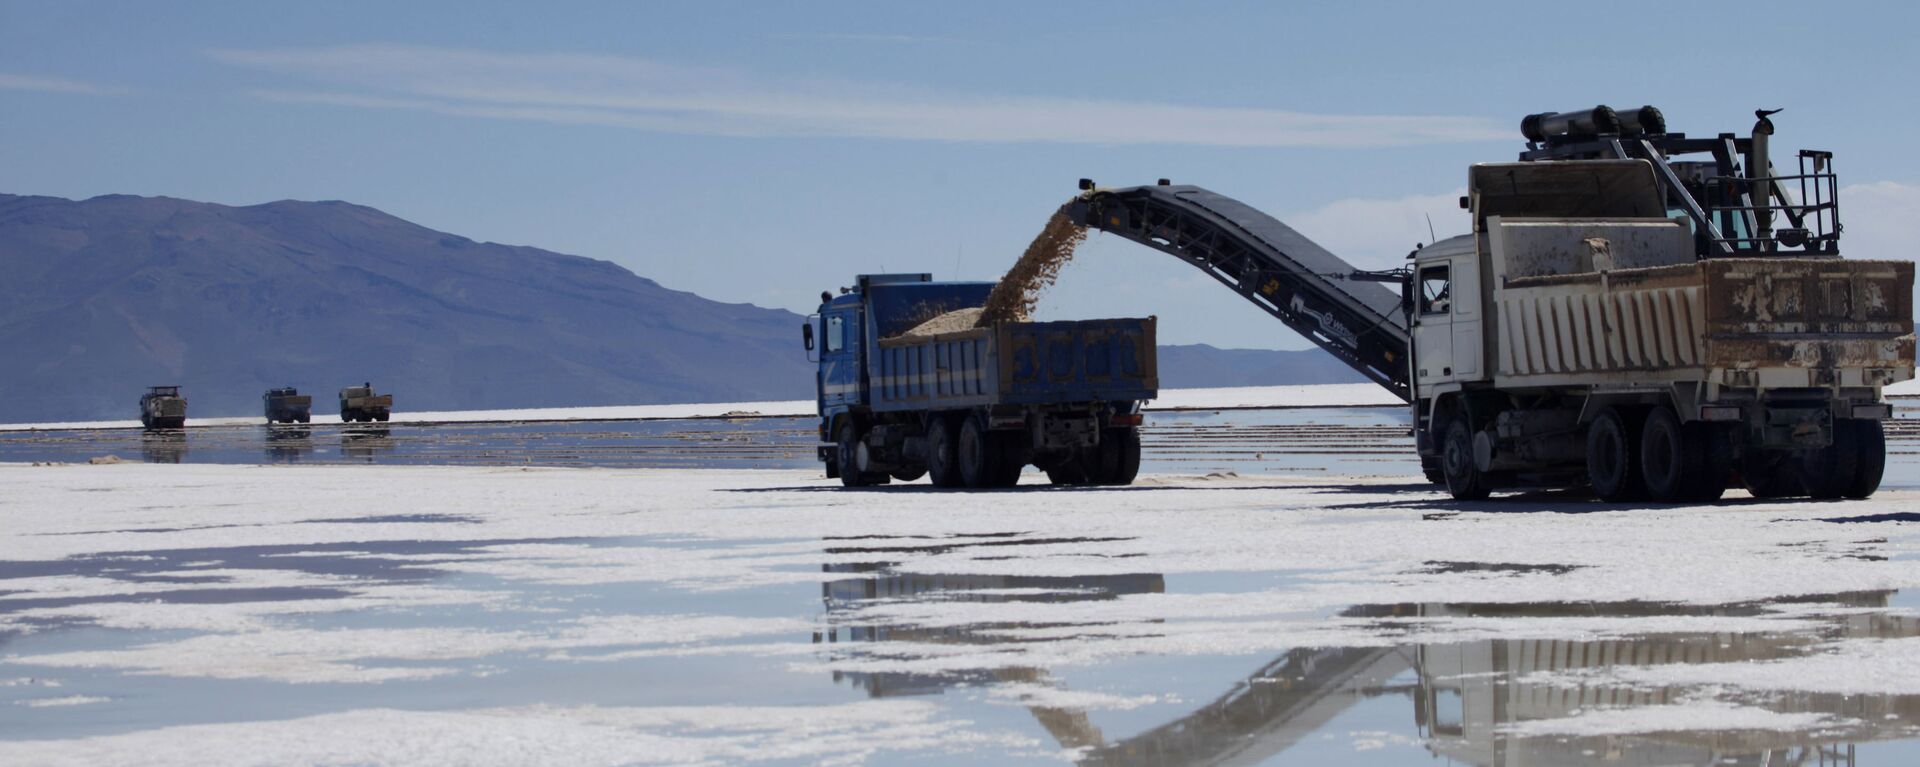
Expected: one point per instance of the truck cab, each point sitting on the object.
(285, 404)
(360, 403)
(162, 407)
(878, 306)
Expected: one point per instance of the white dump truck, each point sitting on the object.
(1653, 327)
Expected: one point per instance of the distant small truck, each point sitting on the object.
(359, 403)
(287, 405)
(162, 407)
(972, 407)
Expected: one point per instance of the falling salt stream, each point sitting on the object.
(1015, 295)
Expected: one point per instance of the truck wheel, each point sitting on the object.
(306, 417)
(1829, 471)
(1125, 444)
(943, 460)
(1098, 463)
(1613, 457)
(1430, 466)
(1464, 479)
(1071, 471)
(976, 453)
(1770, 474)
(1670, 462)
(850, 473)
(1870, 437)
(382, 417)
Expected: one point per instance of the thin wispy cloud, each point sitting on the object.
(655, 96)
(864, 37)
(43, 84)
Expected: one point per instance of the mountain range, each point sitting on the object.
(105, 296)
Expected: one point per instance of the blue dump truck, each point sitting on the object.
(973, 406)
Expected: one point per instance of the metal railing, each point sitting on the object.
(1743, 209)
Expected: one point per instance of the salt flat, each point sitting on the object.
(229, 614)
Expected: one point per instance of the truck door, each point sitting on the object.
(1464, 271)
(1433, 324)
(839, 358)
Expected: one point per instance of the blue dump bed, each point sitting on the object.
(1017, 363)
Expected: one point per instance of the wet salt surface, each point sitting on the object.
(1321, 441)
(309, 614)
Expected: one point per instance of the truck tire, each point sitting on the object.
(1613, 456)
(1672, 460)
(1430, 466)
(848, 440)
(1770, 474)
(1464, 480)
(382, 416)
(943, 460)
(1829, 471)
(1071, 470)
(1871, 461)
(978, 455)
(306, 417)
(1125, 445)
(1098, 462)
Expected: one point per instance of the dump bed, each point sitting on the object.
(1750, 322)
(1017, 363)
(166, 407)
(368, 402)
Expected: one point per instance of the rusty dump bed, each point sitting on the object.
(1765, 322)
(370, 402)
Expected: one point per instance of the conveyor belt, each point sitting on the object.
(1268, 263)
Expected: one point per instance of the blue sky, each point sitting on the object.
(762, 152)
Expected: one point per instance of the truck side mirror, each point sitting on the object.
(806, 334)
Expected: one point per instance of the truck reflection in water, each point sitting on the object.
(1468, 692)
(288, 444)
(163, 446)
(365, 444)
(1070, 727)
(1465, 694)
(1462, 696)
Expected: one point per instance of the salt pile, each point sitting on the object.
(951, 322)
